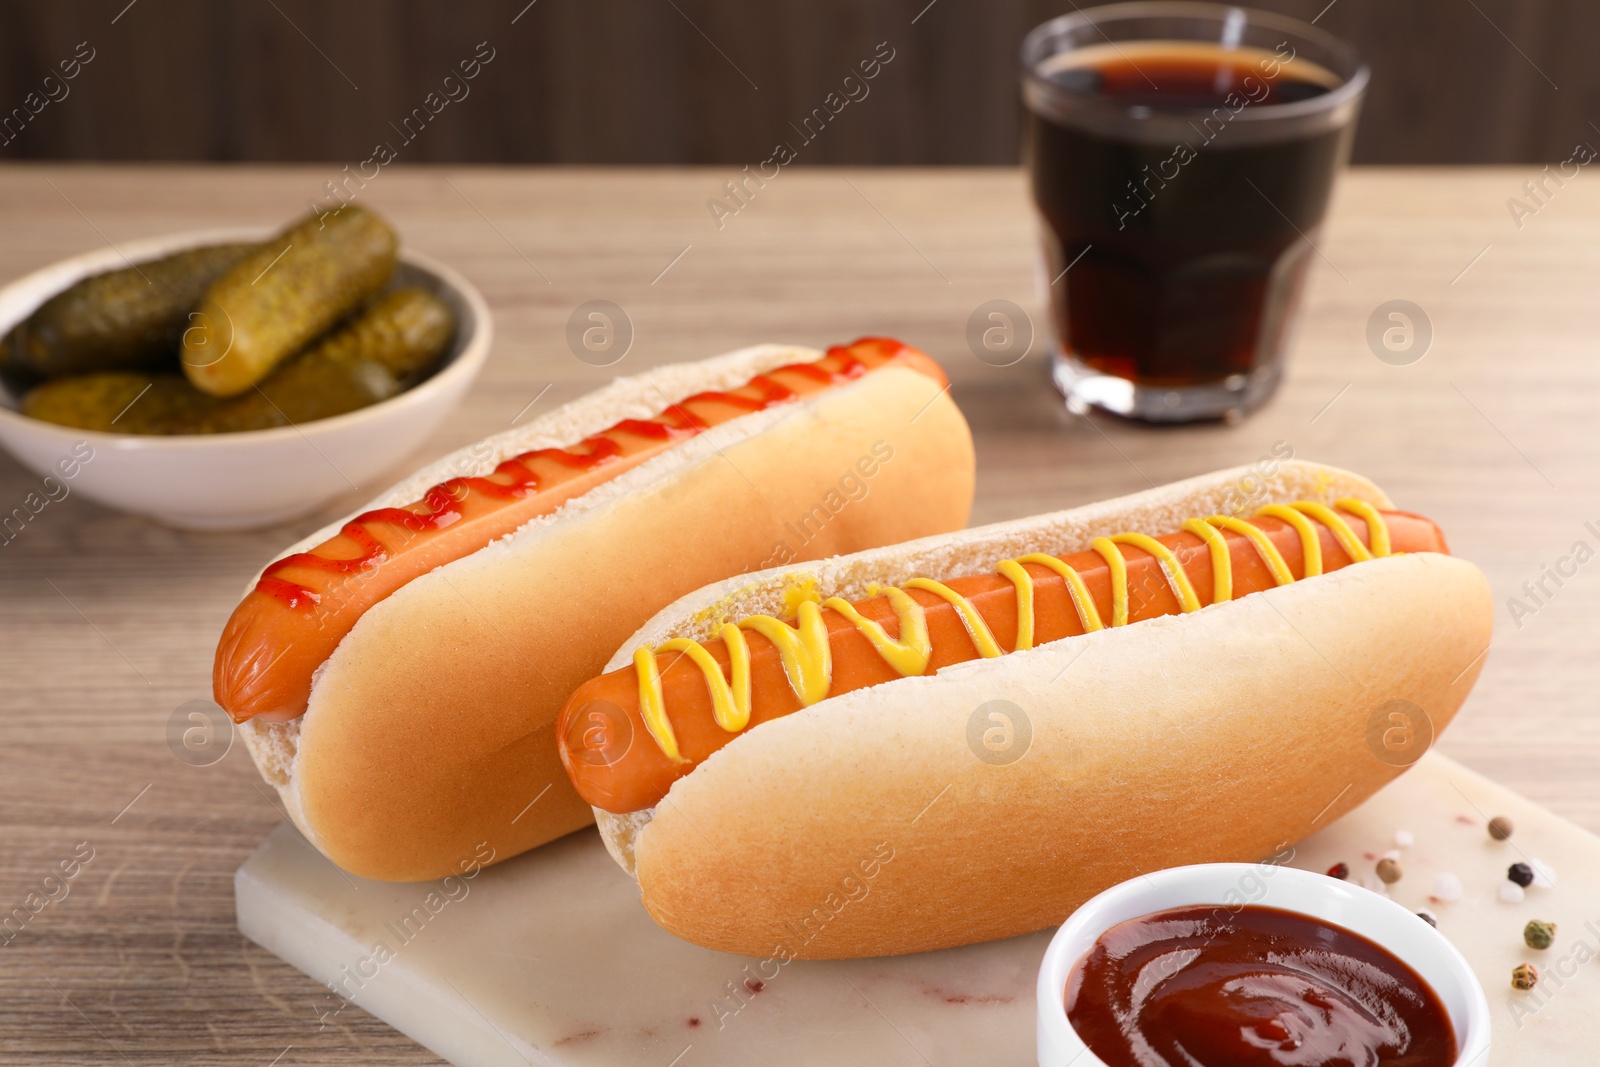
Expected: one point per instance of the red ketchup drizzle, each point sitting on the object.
(444, 502)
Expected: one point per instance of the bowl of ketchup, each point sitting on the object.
(1255, 965)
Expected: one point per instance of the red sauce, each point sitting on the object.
(443, 504)
(1252, 987)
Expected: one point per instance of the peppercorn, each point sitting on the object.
(1500, 828)
(1521, 874)
(1427, 917)
(1340, 871)
(1389, 870)
(1524, 976)
(1539, 934)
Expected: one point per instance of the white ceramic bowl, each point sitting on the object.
(239, 480)
(1376, 917)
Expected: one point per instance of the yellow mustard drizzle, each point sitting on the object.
(1263, 545)
(652, 705)
(1221, 558)
(807, 658)
(1118, 566)
(1377, 529)
(803, 649)
(909, 654)
(1022, 582)
(1170, 566)
(1310, 542)
(1088, 614)
(977, 629)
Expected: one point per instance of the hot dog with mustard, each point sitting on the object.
(1232, 666)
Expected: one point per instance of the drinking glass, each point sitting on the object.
(1181, 157)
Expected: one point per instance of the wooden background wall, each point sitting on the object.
(705, 81)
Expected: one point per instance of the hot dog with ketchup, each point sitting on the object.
(304, 604)
(1239, 673)
(397, 674)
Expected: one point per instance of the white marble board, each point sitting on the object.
(549, 959)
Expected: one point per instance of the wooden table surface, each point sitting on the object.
(107, 622)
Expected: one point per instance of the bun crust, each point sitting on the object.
(429, 730)
(869, 824)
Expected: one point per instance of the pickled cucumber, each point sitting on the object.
(128, 319)
(121, 402)
(271, 304)
(383, 350)
(15, 375)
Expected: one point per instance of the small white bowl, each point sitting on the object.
(1375, 917)
(234, 481)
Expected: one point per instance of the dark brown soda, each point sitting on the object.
(1187, 258)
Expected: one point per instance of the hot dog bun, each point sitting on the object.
(427, 739)
(1220, 735)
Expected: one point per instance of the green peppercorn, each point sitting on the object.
(1539, 934)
